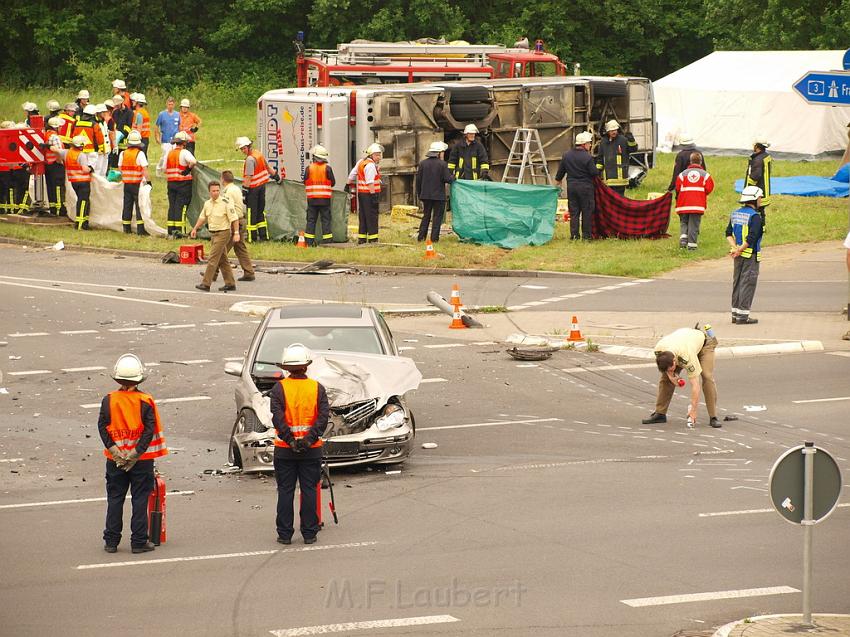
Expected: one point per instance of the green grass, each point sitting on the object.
(790, 219)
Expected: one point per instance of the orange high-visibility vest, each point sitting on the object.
(145, 127)
(125, 424)
(75, 171)
(364, 186)
(261, 171)
(131, 172)
(66, 130)
(51, 155)
(301, 396)
(173, 167)
(94, 134)
(317, 184)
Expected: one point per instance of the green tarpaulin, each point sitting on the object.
(286, 206)
(506, 215)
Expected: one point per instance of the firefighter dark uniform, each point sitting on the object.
(613, 162)
(469, 160)
(255, 201)
(745, 225)
(20, 192)
(133, 162)
(578, 167)
(759, 168)
(319, 181)
(368, 179)
(79, 174)
(54, 173)
(122, 124)
(178, 173)
(299, 408)
(129, 420)
(5, 190)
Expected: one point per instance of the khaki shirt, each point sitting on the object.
(219, 214)
(234, 196)
(685, 343)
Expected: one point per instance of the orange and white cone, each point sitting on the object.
(430, 253)
(302, 243)
(457, 320)
(455, 300)
(575, 332)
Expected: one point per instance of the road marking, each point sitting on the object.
(14, 460)
(405, 349)
(22, 334)
(444, 345)
(94, 368)
(176, 327)
(813, 400)
(217, 323)
(31, 372)
(601, 368)
(71, 332)
(433, 380)
(222, 556)
(28, 505)
(198, 361)
(717, 514)
(128, 329)
(704, 597)
(159, 401)
(490, 424)
(484, 343)
(80, 292)
(568, 463)
(378, 623)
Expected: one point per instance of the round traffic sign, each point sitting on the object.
(787, 484)
(846, 60)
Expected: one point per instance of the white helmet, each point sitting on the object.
(80, 140)
(134, 97)
(52, 105)
(686, 138)
(374, 148)
(612, 124)
(116, 100)
(54, 122)
(134, 138)
(584, 137)
(141, 99)
(29, 107)
(90, 109)
(185, 102)
(119, 84)
(750, 193)
(470, 128)
(180, 136)
(7, 123)
(129, 367)
(70, 106)
(241, 142)
(437, 147)
(296, 355)
(83, 95)
(319, 152)
(99, 108)
(761, 141)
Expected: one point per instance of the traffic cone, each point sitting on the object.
(575, 332)
(457, 320)
(455, 300)
(430, 253)
(302, 243)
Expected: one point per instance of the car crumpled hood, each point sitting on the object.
(350, 377)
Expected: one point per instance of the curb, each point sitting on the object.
(724, 630)
(735, 351)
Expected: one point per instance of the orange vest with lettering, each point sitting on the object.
(301, 396)
(125, 424)
(131, 172)
(364, 186)
(173, 167)
(317, 184)
(261, 171)
(75, 172)
(145, 127)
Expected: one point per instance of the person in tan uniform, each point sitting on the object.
(691, 350)
(223, 225)
(233, 193)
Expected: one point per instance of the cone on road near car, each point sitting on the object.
(575, 332)
(455, 300)
(430, 253)
(457, 319)
(302, 243)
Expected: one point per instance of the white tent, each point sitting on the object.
(728, 98)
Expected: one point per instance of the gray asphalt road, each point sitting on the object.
(545, 505)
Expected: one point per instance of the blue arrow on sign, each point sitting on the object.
(824, 87)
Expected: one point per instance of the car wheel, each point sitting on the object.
(234, 456)
(469, 112)
(245, 422)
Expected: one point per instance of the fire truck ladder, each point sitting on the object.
(528, 157)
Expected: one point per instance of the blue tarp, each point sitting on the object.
(809, 186)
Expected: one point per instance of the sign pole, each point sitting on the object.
(808, 522)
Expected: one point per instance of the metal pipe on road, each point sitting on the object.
(440, 303)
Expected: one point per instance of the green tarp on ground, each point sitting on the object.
(506, 215)
(286, 206)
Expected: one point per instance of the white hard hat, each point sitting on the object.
(185, 102)
(612, 124)
(437, 147)
(7, 123)
(296, 355)
(319, 152)
(99, 108)
(134, 97)
(80, 140)
(70, 106)
(119, 84)
(374, 148)
(761, 141)
(470, 128)
(180, 136)
(29, 107)
(54, 122)
(52, 105)
(134, 138)
(141, 99)
(83, 95)
(750, 193)
(686, 138)
(241, 142)
(129, 367)
(90, 109)
(584, 137)
(117, 100)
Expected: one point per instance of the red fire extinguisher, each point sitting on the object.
(156, 512)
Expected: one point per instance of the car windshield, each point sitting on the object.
(344, 339)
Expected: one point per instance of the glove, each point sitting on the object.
(186, 171)
(244, 194)
(347, 188)
(275, 178)
(150, 183)
(194, 129)
(297, 446)
(118, 456)
(132, 458)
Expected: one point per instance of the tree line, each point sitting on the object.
(179, 43)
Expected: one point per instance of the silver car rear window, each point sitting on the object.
(337, 339)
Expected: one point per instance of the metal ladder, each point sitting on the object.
(527, 155)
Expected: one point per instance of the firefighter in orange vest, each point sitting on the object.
(79, 172)
(89, 127)
(299, 409)
(319, 181)
(133, 164)
(141, 119)
(131, 432)
(366, 177)
(255, 175)
(178, 172)
(54, 172)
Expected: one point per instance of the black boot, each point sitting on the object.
(140, 230)
(654, 419)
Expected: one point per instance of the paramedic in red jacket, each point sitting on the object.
(693, 185)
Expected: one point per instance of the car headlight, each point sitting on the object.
(392, 416)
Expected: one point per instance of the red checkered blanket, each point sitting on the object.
(623, 218)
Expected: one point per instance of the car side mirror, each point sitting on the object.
(233, 368)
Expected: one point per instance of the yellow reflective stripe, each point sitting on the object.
(327, 236)
(474, 163)
(371, 236)
(361, 236)
(307, 235)
(485, 166)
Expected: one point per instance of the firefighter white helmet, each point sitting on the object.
(29, 107)
(185, 103)
(750, 193)
(90, 109)
(686, 139)
(319, 152)
(70, 106)
(296, 355)
(119, 84)
(83, 95)
(374, 148)
(52, 105)
(612, 124)
(54, 122)
(134, 138)
(80, 140)
(761, 141)
(437, 147)
(241, 142)
(141, 99)
(129, 367)
(100, 108)
(470, 128)
(180, 136)
(134, 97)
(117, 100)
(584, 138)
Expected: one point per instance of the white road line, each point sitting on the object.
(378, 623)
(813, 400)
(128, 329)
(233, 358)
(491, 424)
(95, 368)
(103, 296)
(222, 556)
(600, 368)
(72, 332)
(176, 327)
(433, 380)
(22, 334)
(717, 514)
(159, 401)
(569, 463)
(217, 323)
(484, 343)
(705, 597)
(32, 372)
(405, 349)
(445, 345)
(14, 460)
(197, 361)
(29, 505)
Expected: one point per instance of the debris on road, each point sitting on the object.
(532, 353)
(429, 445)
(755, 408)
(59, 245)
(317, 267)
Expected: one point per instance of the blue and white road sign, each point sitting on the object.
(846, 60)
(824, 87)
